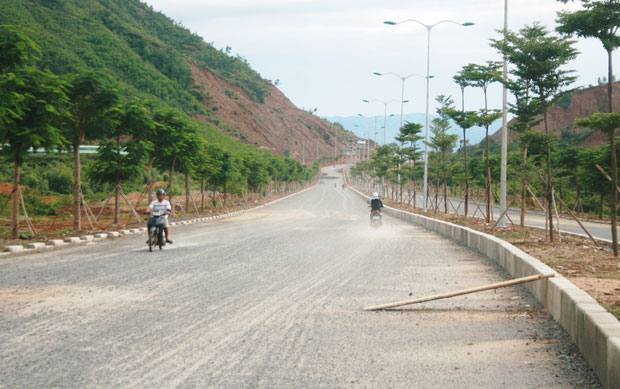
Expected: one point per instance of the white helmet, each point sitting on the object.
(375, 194)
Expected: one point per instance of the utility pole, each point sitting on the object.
(504, 167)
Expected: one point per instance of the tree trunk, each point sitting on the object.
(171, 185)
(466, 173)
(117, 190)
(549, 199)
(15, 218)
(614, 168)
(445, 194)
(225, 192)
(77, 186)
(488, 219)
(202, 193)
(117, 200)
(523, 190)
(600, 207)
(187, 193)
(149, 178)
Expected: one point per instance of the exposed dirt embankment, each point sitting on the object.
(581, 103)
(276, 124)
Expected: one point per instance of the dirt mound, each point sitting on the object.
(7, 187)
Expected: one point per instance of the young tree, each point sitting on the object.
(465, 120)
(32, 109)
(538, 58)
(526, 110)
(410, 132)
(441, 141)
(482, 76)
(608, 123)
(120, 155)
(207, 167)
(92, 95)
(600, 20)
(172, 131)
(484, 119)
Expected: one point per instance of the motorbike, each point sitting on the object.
(156, 225)
(375, 218)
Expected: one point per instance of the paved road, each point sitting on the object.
(274, 298)
(532, 219)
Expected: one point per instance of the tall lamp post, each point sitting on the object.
(502, 198)
(402, 104)
(385, 104)
(403, 78)
(428, 27)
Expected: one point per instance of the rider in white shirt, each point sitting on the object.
(163, 205)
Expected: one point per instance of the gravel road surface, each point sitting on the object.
(273, 298)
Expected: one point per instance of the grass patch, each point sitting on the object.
(607, 276)
(512, 236)
(613, 309)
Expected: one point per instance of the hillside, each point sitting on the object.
(581, 103)
(154, 57)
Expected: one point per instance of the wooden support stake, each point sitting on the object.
(577, 220)
(104, 205)
(28, 223)
(130, 206)
(86, 212)
(462, 292)
(500, 218)
(92, 214)
(557, 216)
(606, 175)
(5, 203)
(535, 198)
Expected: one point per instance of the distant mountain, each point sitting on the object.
(363, 126)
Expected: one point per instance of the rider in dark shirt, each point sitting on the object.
(375, 203)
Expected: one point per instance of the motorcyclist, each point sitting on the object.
(375, 204)
(163, 205)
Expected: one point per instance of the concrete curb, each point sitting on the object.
(594, 330)
(30, 248)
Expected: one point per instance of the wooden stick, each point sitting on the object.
(535, 198)
(557, 216)
(130, 206)
(28, 223)
(500, 218)
(104, 205)
(459, 293)
(605, 174)
(5, 203)
(92, 214)
(86, 212)
(577, 220)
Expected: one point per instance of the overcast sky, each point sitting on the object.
(324, 52)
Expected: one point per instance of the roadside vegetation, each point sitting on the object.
(140, 141)
(544, 171)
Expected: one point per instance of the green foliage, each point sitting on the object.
(150, 53)
(117, 163)
(598, 19)
(564, 100)
(41, 108)
(17, 49)
(37, 207)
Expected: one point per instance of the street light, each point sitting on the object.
(385, 104)
(403, 78)
(504, 168)
(428, 27)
